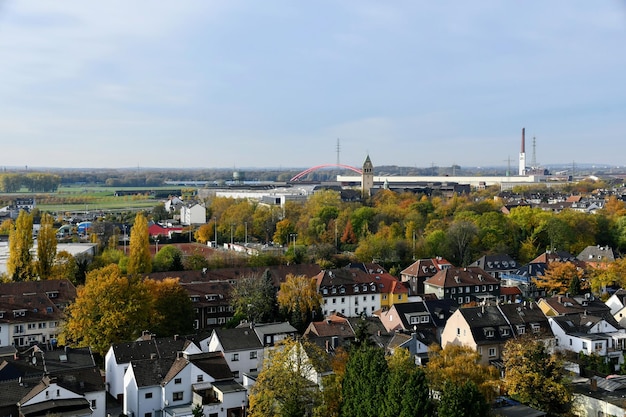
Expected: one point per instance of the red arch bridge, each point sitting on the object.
(318, 167)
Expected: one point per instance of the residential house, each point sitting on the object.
(416, 343)
(466, 285)
(32, 312)
(192, 214)
(597, 396)
(241, 348)
(590, 334)
(561, 305)
(271, 333)
(497, 264)
(524, 279)
(332, 332)
(173, 204)
(419, 271)
(350, 292)
(58, 381)
(617, 306)
(152, 388)
(597, 256)
(119, 356)
(487, 328)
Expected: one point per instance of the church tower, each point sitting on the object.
(367, 180)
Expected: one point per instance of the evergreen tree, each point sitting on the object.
(462, 400)
(46, 247)
(19, 264)
(365, 382)
(407, 389)
(140, 259)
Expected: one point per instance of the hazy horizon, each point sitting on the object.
(231, 84)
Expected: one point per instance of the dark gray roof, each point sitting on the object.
(214, 364)
(241, 338)
(496, 262)
(151, 372)
(487, 324)
(166, 347)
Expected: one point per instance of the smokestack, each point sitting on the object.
(523, 140)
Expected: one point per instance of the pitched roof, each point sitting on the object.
(596, 254)
(333, 325)
(487, 324)
(214, 364)
(151, 372)
(166, 347)
(426, 267)
(240, 338)
(457, 277)
(496, 262)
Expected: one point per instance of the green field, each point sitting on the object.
(91, 198)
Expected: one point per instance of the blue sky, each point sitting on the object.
(222, 84)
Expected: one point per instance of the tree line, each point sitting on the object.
(33, 182)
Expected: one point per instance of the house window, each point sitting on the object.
(453, 290)
(460, 300)
(178, 380)
(477, 288)
(424, 319)
(356, 288)
(364, 298)
(148, 395)
(211, 320)
(342, 290)
(325, 291)
(334, 291)
(42, 325)
(343, 300)
(521, 329)
(372, 308)
(491, 288)
(252, 370)
(489, 333)
(93, 404)
(597, 346)
(467, 299)
(399, 296)
(467, 289)
(343, 311)
(414, 320)
(384, 296)
(253, 355)
(458, 331)
(325, 301)
(535, 327)
(221, 320)
(200, 378)
(177, 396)
(235, 374)
(504, 331)
(373, 298)
(484, 288)
(147, 415)
(334, 301)
(235, 357)
(492, 352)
(584, 345)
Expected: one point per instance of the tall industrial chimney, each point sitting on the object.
(522, 154)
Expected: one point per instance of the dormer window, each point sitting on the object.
(489, 332)
(342, 290)
(334, 290)
(325, 291)
(504, 331)
(535, 327)
(521, 329)
(364, 288)
(356, 288)
(52, 294)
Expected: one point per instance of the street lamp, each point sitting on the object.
(246, 227)
(156, 241)
(124, 227)
(215, 230)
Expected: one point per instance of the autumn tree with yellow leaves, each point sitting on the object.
(298, 298)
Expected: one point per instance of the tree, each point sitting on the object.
(20, 262)
(169, 258)
(407, 390)
(298, 296)
(255, 298)
(462, 399)
(159, 212)
(140, 259)
(65, 267)
(558, 277)
(205, 233)
(46, 247)
(171, 310)
(459, 237)
(283, 388)
(195, 262)
(332, 399)
(456, 364)
(534, 377)
(364, 384)
(108, 309)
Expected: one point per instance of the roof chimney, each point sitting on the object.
(523, 140)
